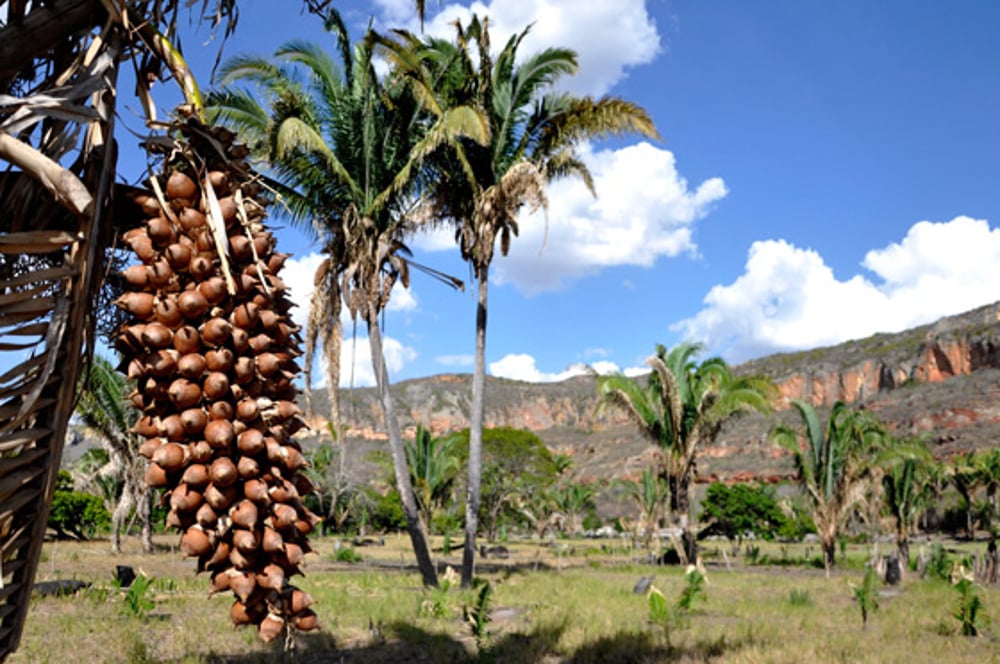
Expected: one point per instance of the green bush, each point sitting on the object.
(74, 513)
(386, 512)
(347, 554)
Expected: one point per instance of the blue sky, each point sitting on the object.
(827, 171)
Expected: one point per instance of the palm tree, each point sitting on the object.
(103, 409)
(433, 470)
(681, 407)
(534, 133)
(966, 475)
(907, 490)
(834, 465)
(346, 151)
(650, 495)
(572, 500)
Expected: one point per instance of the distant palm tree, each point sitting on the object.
(835, 464)
(680, 408)
(534, 133)
(433, 470)
(966, 474)
(650, 495)
(104, 410)
(908, 489)
(346, 149)
(572, 500)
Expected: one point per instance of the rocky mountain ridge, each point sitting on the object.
(941, 380)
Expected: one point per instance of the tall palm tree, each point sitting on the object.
(834, 465)
(346, 149)
(103, 409)
(534, 133)
(681, 407)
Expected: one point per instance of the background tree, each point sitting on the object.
(346, 149)
(104, 411)
(650, 495)
(966, 476)
(573, 500)
(515, 463)
(534, 133)
(833, 464)
(907, 489)
(680, 407)
(733, 511)
(433, 470)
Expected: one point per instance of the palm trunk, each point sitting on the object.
(413, 525)
(473, 489)
(903, 548)
(680, 505)
(125, 504)
(828, 540)
(145, 516)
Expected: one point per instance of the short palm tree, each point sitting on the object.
(835, 464)
(433, 470)
(346, 149)
(681, 407)
(966, 474)
(650, 496)
(534, 134)
(908, 489)
(103, 409)
(572, 500)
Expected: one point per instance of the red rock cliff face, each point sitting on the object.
(859, 370)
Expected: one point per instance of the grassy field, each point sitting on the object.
(571, 603)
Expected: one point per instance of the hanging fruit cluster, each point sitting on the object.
(210, 344)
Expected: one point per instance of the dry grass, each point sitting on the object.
(576, 607)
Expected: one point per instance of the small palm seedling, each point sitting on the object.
(478, 616)
(139, 597)
(866, 595)
(694, 589)
(969, 605)
(673, 617)
(435, 600)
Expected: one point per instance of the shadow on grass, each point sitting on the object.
(407, 643)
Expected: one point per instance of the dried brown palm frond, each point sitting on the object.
(522, 185)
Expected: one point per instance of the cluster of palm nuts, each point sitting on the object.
(209, 341)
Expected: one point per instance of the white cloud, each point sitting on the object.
(455, 360)
(521, 366)
(605, 367)
(644, 211)
(789, 299)
(609, 37)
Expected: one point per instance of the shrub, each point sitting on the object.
(74, 513)
(347, 554)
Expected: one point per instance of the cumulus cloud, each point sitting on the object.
(609, 37)
(357, 352)
(523, 367)
(789, 299)
(644, 210)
